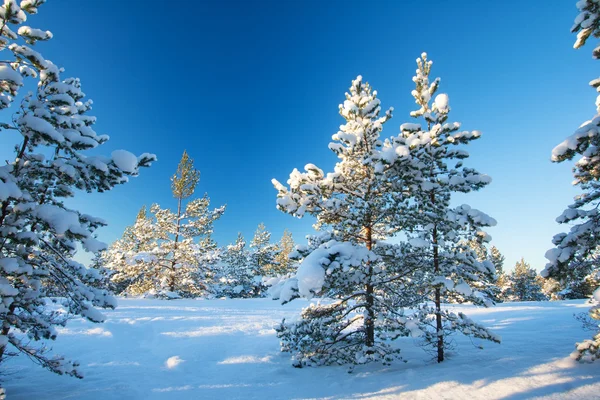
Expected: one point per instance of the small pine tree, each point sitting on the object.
(262, 251)
(282, 265)
(239, 275)
(523, 284)
(498, 260)
(129, 277)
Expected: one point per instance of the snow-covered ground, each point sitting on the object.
(227, 349)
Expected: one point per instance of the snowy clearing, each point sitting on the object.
(227, 349)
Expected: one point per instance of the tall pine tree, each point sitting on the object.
(454, 271)
(356, 206)
(179, 264)
(39, 235)
(577, 249)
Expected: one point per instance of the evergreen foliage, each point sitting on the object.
(577, 249)
(454, 270)
(172, 254)
(38, 233)
(282, 265)
(523, 284)
(239, 275)
(126, 276)
(263, 252)
(356, 205)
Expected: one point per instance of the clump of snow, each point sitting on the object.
(442, 103)
(311, 274)
(125, 161)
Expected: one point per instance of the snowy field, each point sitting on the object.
(227, 349)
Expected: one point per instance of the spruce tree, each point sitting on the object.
(39, 234)
(356, 206)
(454, 271)
(577, 248)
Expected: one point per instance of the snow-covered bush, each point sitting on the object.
(38, 233)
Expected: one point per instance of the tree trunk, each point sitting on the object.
(438, 294)
(174, 261)
(6, 329)
(370, 320)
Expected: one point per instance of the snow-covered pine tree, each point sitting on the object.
(38, 233)
(522, 284)
(128, 276)
(356, 206)
(262, 251)
(239, 274)
(453, 272)
(575, 248)
(184, 252)
(551, 288)
(498, 260)
(282, 265)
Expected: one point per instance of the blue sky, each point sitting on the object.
(251, 88)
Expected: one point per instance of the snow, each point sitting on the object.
(234, 354)
(60, 220)
(10, 75)
(311, 274)
(9, 190)
(441, 103)
(418, 242)
(125, 161)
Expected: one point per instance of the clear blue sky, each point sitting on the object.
(251, 88)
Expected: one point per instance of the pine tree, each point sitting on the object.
(38, 233)
(184, 249)
(523, 284)
(239, 276)
(578, 247)
(454, 272)
(551, 288)
(282, 265)
(129, 276)
(263, 252)
(356, 206)
(498, 260)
